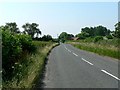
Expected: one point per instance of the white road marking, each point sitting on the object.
(75, 54)
(110, 74)
(69, 50)
(87, 61)
(65, 48)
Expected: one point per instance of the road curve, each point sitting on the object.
(69, 67)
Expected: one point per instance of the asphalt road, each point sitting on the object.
(69, 67)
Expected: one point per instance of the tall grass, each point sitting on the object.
(103, 47)
(30, 67)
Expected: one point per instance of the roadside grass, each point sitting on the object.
(30, 67)
(106, 48)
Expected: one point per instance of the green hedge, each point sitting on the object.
(13, 46)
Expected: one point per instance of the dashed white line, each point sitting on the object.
(87, 61)
(69, 50)
(110, 74)
(75, 54)
(92, 64)
(65, 48)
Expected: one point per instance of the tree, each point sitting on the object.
(47, 38)
(88, 30)
(70, 36)
(12, 27)
(63, 35)
(96, 31)
(117, 30)
(31, 29)
(101, 31)
(82, 35)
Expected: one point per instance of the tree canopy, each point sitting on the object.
(66, 36)
(31, 29)
(46, 38)
(12, 27)
(83, 35)
(96, 31)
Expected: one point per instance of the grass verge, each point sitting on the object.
(31, 67)
(97, 48)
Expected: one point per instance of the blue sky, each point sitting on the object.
(56, 17)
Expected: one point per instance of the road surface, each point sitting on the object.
(69, 67)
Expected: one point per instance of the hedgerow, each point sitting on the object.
(13, 45)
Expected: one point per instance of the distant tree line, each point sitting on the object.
(99, 32)
(93, 31)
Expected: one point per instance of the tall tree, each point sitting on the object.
(31, 29)
(96, 31)
(12, 27)
(88, 30)
(82, 35)
(70, 36)
(47, 38)
(63, 35)
(101, 31)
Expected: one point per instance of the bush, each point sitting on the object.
(13, 45)
(98, 38)
(11, 49)
(26, 43)
(109, 37)
(89, 39)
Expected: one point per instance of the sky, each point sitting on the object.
(56, 17)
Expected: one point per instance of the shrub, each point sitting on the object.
(89, 39)
(109, 37)
(13, 45)
(26, 43)
(98, 38)
(11, 49)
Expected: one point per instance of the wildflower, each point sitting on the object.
(12, 66)
(16, 63)
(20, 65)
